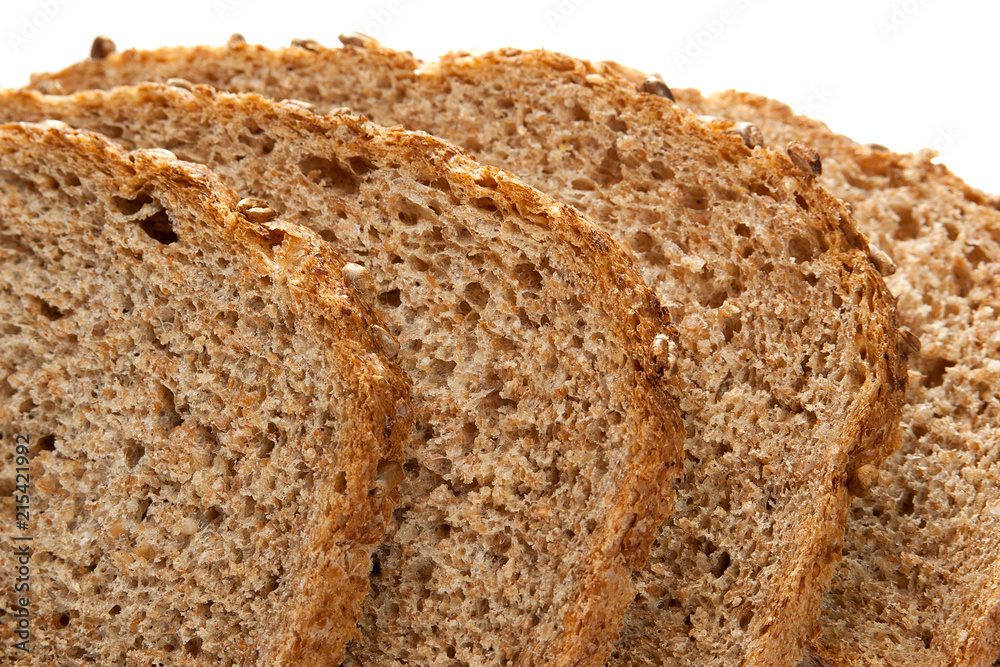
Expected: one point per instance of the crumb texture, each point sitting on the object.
(206, 409)
(791, 375)
(545, 442)
(920, 580)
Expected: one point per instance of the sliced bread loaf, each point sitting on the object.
(546, 440)
(920, 581)
(790, 364)
(201, 431)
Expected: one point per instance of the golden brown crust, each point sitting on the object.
(193, 460)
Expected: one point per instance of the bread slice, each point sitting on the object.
(920, 581)
(546, 438)
(201, 429)
(790, 365)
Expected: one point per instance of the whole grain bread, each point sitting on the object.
(208, 415)
(547, 434)
(790, 365)
(920, 581)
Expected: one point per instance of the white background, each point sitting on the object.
(909, 74)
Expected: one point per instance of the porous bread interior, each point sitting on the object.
(205, 418)
(789, 366)
(541, 461)
(920, 580)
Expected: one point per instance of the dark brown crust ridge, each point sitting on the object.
(920, 581)
(203, 484)
(791, 371)
(547, 434)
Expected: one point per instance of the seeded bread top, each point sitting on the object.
(547, 435)
(211, 417)
(920, 583)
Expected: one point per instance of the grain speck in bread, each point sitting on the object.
(920, 580)
(207, 412)
(547, 435)
(789, 358)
